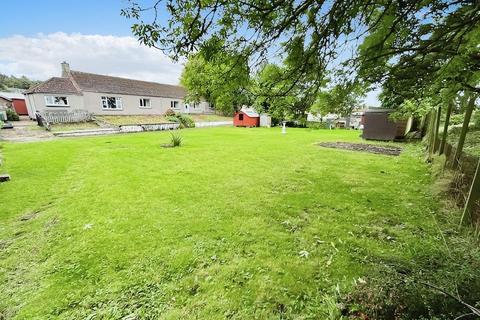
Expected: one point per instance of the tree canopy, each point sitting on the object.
(221, 80)
(16, 82)
(410, 48)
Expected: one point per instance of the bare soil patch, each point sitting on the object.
(363, 147)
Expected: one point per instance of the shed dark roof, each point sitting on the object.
(78, 82)
(55, 85)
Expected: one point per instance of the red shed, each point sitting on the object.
(17, 101)
(246, 117)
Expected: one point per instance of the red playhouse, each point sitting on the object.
(246, 117)
(17, 101)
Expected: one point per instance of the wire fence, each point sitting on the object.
(464, 187)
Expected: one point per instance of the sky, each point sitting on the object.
(92, 36)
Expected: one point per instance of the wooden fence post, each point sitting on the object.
(431, 134)
(445, 127)
(463, 134)
(437, 127)
(473, 195)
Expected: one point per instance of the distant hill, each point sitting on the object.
(7, 82)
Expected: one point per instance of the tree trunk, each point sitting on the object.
(437, 127)
(463, 134)
(430, 133)
(445, 127)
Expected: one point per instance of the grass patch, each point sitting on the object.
(472, 140)
(139, 119)
(237, 223)
(73, 126)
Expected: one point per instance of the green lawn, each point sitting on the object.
(237, 223)
(73, 126)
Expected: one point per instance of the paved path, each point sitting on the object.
(25, 131)
(203, 124)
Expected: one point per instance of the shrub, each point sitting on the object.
(186, 121)
(172, 118)
(12, 115)
(169, 113)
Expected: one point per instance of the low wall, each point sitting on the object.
(62, 116)
(213, 124)
(148, 127)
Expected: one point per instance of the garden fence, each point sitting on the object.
(466, 180)
(67, 116)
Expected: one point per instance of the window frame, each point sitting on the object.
(118, 103)
(240, 116)
(144, 106)
(173, 103)
(56, 105)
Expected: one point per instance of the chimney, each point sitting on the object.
(65, 69)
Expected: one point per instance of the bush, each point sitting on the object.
(172, 118)
(184, 120)
(12, 115)
(169, 113)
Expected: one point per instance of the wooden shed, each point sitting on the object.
(246, 117)
(17, 101)
(377, 125)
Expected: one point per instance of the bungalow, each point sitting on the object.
(106, 95)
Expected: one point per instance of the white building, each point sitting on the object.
(106, 95)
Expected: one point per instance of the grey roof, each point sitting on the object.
(55, 85)
(78, 82)
(11, 95)
(106, 84)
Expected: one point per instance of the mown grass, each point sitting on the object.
(237, 223)
(73, 126)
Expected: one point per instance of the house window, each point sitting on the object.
(112, 103)
(174, 105)
(145, 103)
(240, 117)
(56, 101)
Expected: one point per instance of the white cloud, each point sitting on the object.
(39, 57)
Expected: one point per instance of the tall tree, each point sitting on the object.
(341, 99)
(222, 80)
(280, 95)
